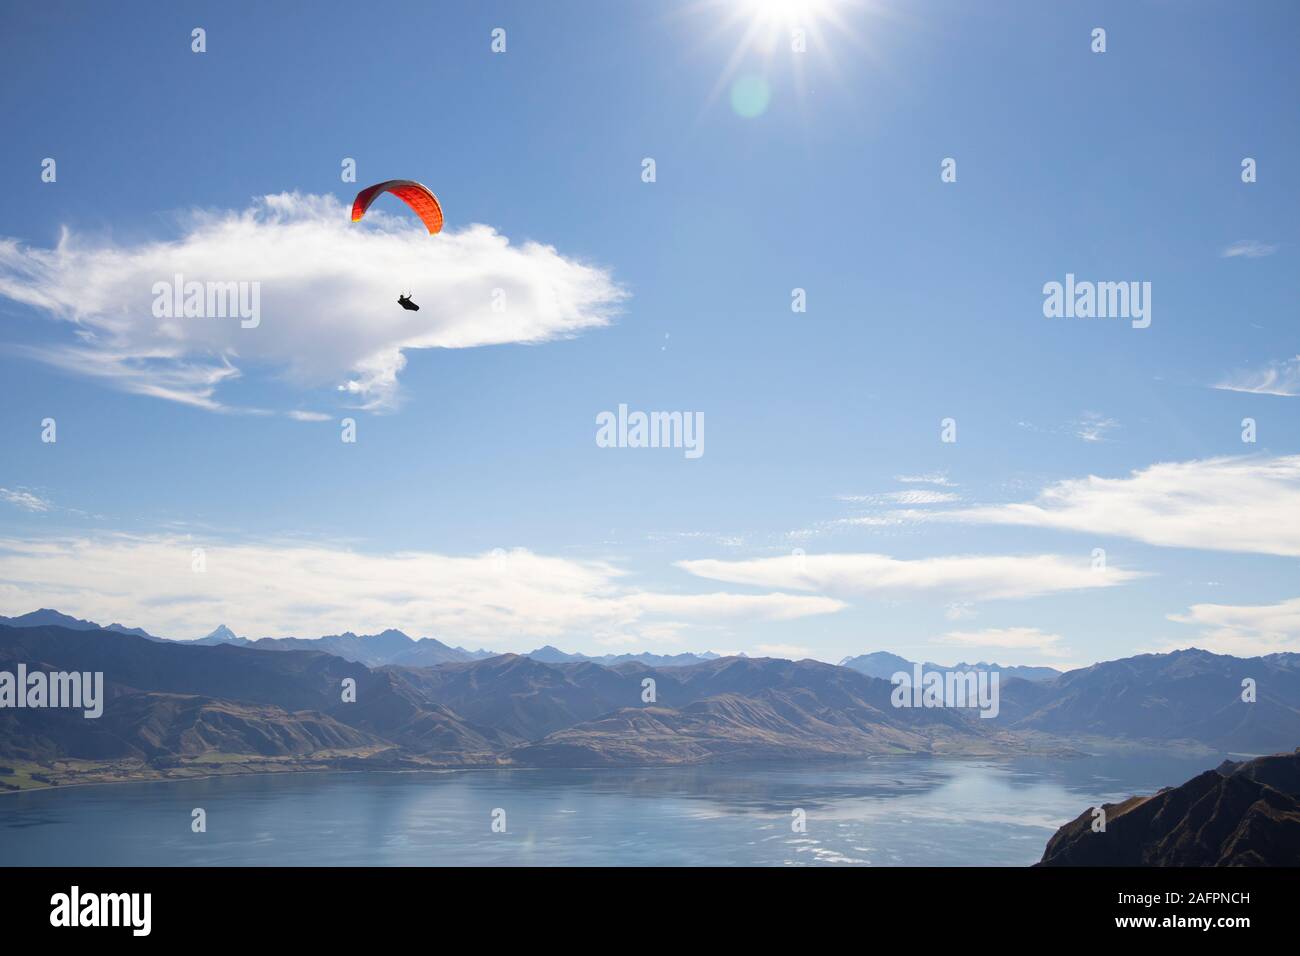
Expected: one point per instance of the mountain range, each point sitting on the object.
(374, 650)
(1187, 695)
(173, 709)
(220, 705)
(390, 646)
(885, 665)
(46, 616)
(395, 647)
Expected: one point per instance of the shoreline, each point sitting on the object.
(1064, 753)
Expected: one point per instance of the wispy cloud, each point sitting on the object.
(328, 288)
(1090, 426)
(505, 599)
(1244, 630)
(1093, 426)
(1247, 504)
(1277, 378)
(960, 611)
(922, 497)
(908, 497)
(930, 478)
(714, 537)
(977, 577)
(24, 499)
(1249, 249)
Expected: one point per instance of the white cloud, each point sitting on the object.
(305, 416)
(24, 499)
(328, 289)
(980, 577)
(1222, 504)
(1007, 638)
(1276, 378)
(504, 600)
(1244, 630)
(1249, 249)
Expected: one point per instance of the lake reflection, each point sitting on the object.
(913, 811)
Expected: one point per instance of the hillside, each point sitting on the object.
(1245, 814)
(173, 703)
(170, 701)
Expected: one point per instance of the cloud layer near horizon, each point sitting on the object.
(1249, 504)
(979, 577)
(1243, 630)
(501, 600)
(328, 289)
(1007, 638)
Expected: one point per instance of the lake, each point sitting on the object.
(892, 811)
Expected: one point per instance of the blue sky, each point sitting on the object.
(476, 506)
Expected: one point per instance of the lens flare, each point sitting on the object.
(750, 95)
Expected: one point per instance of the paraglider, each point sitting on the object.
(419, 197)
(421, 200)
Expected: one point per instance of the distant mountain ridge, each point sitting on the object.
(394, 647)
(884, 665)
(553, 655)
(1187, 695)
(47, 617)
(222, 635)
(374, 650)
(387, 647)
(398, 649)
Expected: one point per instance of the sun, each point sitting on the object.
(797, 32)
(785, 12)
(765, 22)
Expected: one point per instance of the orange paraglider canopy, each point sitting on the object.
(419, 198)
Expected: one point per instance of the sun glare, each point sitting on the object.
(786, 12)
(766, 20)
(803, 33)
